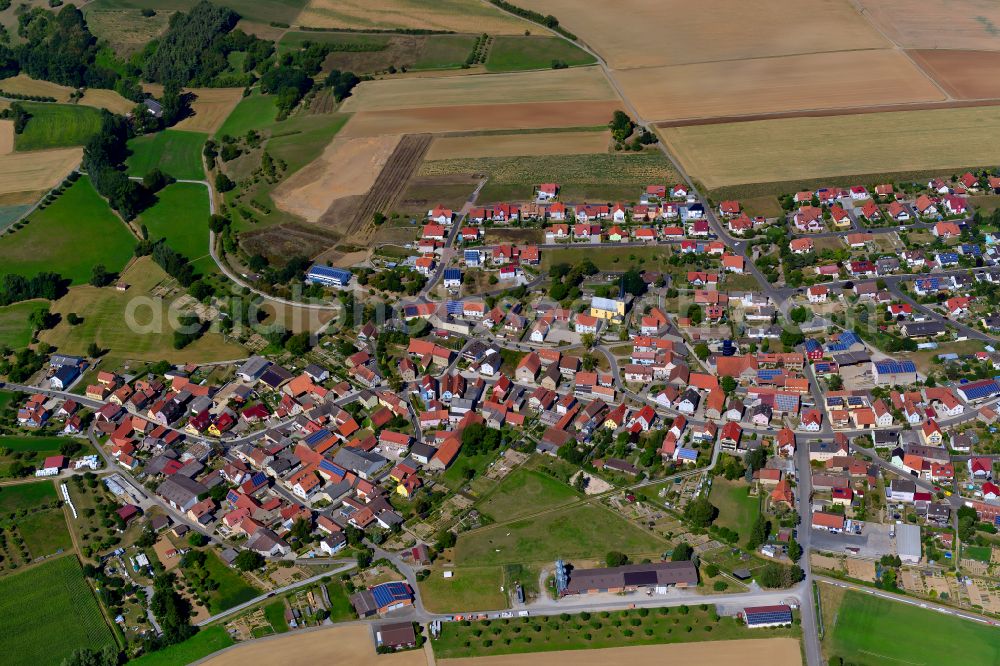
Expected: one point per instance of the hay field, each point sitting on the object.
(937, 24)
(107, 99)
(577, 84)
(469, 118)
(211, 107)
(711, 31)
(37, 170)
(127, 30)
(6, 137)
(776, 85)
(22, 84)
(512, 145)
(454, 15)
(749, 652)
(963, 74)
(347, 167)
(352, 644)
(791, 149)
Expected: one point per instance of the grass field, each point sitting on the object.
(444, 52)
(254, 112)
(469, 589)
(69, 237)
(525, 491)
(737, 511)
(15, 331)
(265, 11)
(64, 615)
(33, 450)
(202, 644)
(597, 177)
(275, 614)
(105, 321)
(126, 30)
(514, 145)
(57, 126)
(181, 216)
(799, 149)
(979, 553)
(25, 495)
(511, 53)
(233, 589)
(587, 532)
(918, 636)
(340, 603)
(172, 151)
(607, 257)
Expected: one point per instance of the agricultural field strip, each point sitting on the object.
(513, 145)
(453, 15)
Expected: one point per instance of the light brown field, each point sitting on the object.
(675, 32)
(22, 84)
(789, 149)
(749, 652)
(6, 137)
(455, 15)
(776, 85)
(345, 644)
(347, 167)
(937, 24)
(37, 170)
(461, 118)
(107, 99)
(963, 74)
(576, 84)
(211, 108)
(513, 145)
(127, 30)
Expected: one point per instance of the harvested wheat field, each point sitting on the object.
(6, 137)
(711, 31)
(777, 85)
(937, 24)
(452, 15)
(576, 84)
(460, 118)
(347, 167)
(751, 652)
(107, 99)
(36, 170)
(791, 149)
(513, 145)
(127, 30)
(22, 84)
(963, 74)
(211, 107)
(344, 644)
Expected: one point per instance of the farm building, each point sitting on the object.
(894, 372)
(658, 576)
(767, 616)
(330, 277)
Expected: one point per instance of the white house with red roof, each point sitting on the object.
(440, 214)
(548, 191)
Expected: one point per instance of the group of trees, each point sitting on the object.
(14, 288)
(102, 158)
(192, 51)
(172, 611)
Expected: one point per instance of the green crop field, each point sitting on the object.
(15, 330)
(25, 495)
(57, 126)
(523, 492)
(69, 237)
(511, 53)
(469, 589)
(181, 216)
(870, 630)
(586, 532)
(370, 42)
(174, 152)
(444, 52)
(596, 177)
(49, 611)
(255, 112)
(202, 644)
(737, 510)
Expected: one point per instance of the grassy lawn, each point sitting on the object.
(57, 126)
(254, 112)
(455, 476)
(233, 589)
(445, 52)
(511, 53)
(469, 589)
(64, 615)
(7, 398)
(583, 532)
(33, 450)
(181, 216)
(174, 152)
(25, 495)
(980, 553)
(15, 331)
(275, 614)
(45, 533)
(525, 491)
(593, 631)
(924, 359)
(607, 257)
(340, 604)
(871, 630)
(202, 644)
(69, 237)
(737, 511)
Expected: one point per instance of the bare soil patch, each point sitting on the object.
(860, 569)
(453, 15)
(465, 118)
(579, 84)
(347, 167)
(280, 242)
(512, 145)
(712, 31)
(6, 137)
(352, 644)
(751, 652)
(937, 24)
(776, 85)
(211, 107)
(963, 74)
(36, 170)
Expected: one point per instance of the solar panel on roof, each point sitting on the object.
(259, 479)
(455, 307)
(769, 616)
(639, 578)
(768, 375)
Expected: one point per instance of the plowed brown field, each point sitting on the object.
(963, 74)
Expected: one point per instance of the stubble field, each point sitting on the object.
(937, 24)
(512, 145)
(453, 15)
(211, 107)
(36, 171)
